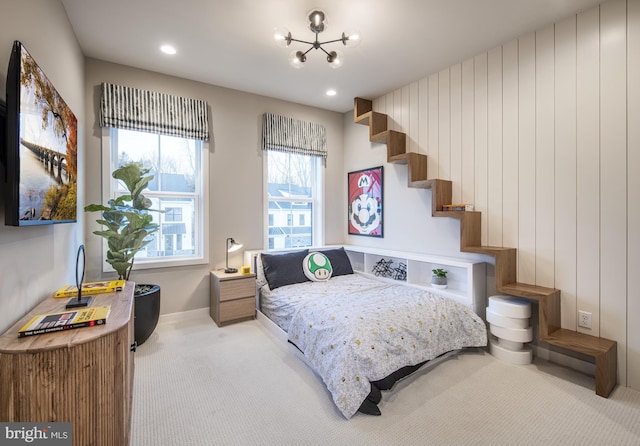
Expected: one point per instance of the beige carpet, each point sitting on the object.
(197, 384)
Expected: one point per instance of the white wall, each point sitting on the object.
(235, 163)
(541, 134)
(35, 261)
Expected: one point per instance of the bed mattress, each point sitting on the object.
(354, 330)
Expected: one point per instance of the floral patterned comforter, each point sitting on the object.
(354, 329)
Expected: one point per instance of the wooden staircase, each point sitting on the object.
(602, 351)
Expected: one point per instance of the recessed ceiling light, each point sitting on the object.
(331, 93)
(168, 49)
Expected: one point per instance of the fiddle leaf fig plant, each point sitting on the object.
(127, 219)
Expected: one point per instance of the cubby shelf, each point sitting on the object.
(466, 279)
(602, 351)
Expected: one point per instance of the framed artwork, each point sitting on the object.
(364, 189)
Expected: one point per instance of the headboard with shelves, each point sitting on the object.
(466, 279)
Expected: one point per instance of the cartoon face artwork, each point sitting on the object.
(365, 202)
(365, 213)
(317, 267)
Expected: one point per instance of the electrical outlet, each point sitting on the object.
(584, 319)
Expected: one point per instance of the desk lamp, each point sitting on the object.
(232, 245)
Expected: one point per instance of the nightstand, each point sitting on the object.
(232, 297)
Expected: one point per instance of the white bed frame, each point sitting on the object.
(466, 280)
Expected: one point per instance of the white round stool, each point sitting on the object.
(508, 319)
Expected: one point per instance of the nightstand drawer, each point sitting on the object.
(237, 288)
(237, 309)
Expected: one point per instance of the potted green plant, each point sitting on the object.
(128, 223)
(439, 278)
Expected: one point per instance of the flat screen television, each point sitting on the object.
(41, 147)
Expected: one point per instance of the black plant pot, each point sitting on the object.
(146, 311)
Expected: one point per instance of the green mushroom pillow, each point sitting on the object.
(317, 267)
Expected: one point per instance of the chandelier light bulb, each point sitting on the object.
(297, 59)
(282, 36)
(351, 38)
(317, 20)
(335, 59)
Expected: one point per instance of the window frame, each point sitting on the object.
(317, 201)
(109, 190)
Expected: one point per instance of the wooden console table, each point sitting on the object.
(82, 376)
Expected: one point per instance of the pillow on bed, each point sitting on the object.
(317, 267)
(284, 269)
(340, 262)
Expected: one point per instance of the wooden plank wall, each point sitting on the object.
(542, 134)
(633, 200)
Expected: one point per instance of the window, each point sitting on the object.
(173, 214)
(179, 166)
(294, 185)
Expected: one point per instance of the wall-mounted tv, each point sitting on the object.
(41, 147)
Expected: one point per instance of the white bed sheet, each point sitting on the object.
(355, 329)
(281, 304)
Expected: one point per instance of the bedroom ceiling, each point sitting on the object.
(229, 43)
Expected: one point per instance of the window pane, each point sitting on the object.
(284, 232)
(176, 237)
(290, 199)
(290, 175)
(139, 147)
(177, 164)
(173, 161)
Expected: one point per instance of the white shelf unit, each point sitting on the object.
(466, 279)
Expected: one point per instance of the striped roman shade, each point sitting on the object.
(294, 136)
(150, 111)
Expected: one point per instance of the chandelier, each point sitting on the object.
(317, 23)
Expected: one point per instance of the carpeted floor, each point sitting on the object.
(197, 384)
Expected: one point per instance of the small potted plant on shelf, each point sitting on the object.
(439, 278)
(128, 224)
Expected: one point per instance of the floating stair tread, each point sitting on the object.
(366, 118)
(579, 342)
(384, 136)
(528, 291)
(490, 250)
(419, 184)
(454, 214)
(380, 137)
(408, 157)
(424, 184)
(403, 158)
(363, 119)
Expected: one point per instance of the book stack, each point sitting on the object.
(65, 320)
(457, 207)
(108, 286)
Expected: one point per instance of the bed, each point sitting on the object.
(358, 333)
